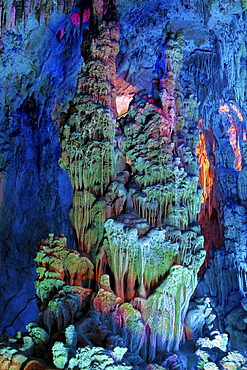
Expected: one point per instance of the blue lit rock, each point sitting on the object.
(34, 80)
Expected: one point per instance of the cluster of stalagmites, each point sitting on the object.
(134, 212)
(163, 192)
(63, 284)
(103, 332)
(213, 356)
(66, 350)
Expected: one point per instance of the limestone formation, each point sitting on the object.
(60, 355)
(96, 357)
(163, 191)
(153, 208)
(63, 282)
(87, 135)
(105, 300)
(12, 358)
(134, 258)
(13, 14)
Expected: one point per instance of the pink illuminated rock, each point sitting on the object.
(76, 18)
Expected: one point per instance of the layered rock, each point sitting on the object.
(221, 155)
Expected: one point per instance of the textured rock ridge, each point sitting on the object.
(61, 274)
(152, 224)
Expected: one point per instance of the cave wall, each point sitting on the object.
(37, 73)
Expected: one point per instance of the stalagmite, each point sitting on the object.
(63, 282)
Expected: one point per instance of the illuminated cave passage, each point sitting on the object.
(123, 185)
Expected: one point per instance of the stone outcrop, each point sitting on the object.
(135, 200)
(221, 153)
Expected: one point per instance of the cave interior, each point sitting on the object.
(123, 184)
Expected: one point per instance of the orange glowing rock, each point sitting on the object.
(37, 365)
(223, 109)
(240, 117)
(125, 92)
(105, 300)
(205, 172)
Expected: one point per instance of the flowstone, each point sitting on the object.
(138, 223)
(140, 220)
(155, 265)
(137, 259)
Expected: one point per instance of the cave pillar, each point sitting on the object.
(87, 137)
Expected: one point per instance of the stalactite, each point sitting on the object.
(171, 300)
(164, 192)
(141, 184)
(130, 321)
(23, 9)
(136, 256)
